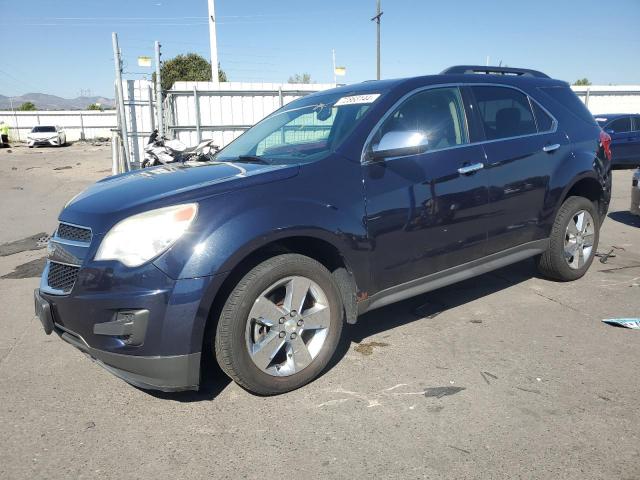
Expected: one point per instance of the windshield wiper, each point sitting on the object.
(251, 159)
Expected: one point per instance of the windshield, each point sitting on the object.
(305, 130)
(43, 129)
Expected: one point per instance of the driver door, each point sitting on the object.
(425, 212)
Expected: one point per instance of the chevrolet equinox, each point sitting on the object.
(336, 204)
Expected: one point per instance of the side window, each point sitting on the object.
(544, 121)
(438, 113)
(620, 125)
(505, 112)
(636, 123)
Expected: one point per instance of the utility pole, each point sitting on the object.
(159, 92)
(213, 42)
(122, 113)
(377, 20)
(15, 116)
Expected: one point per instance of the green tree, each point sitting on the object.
(582, 81)
(95, 106)
(300, 78)
(27, 107)
(190, 67)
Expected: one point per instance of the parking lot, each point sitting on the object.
(507, 375)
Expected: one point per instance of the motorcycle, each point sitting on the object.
(161, 151)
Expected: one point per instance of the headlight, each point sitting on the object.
(139, 238)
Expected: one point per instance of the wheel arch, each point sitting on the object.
(587, 186)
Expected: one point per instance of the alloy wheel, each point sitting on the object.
(287, 326)
(579, 238)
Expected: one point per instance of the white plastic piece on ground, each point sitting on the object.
(633, 323)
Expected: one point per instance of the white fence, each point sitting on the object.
(222, 111)
(202, 110)
(610, 98)
(78, 124)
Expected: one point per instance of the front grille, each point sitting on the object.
(61, 276)
(71, 232)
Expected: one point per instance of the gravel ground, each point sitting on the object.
(504, 376)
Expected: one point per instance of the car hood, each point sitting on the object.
(114, 198)
(42, 135)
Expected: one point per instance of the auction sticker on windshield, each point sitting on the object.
(357, 99)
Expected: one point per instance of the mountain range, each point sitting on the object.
(44, 101)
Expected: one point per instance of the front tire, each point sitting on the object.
(280, 325)
(573, 241)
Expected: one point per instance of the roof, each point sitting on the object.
(447, 78)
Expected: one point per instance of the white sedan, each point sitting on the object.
(51, 135)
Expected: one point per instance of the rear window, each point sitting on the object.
(570, 101)
(43, 129)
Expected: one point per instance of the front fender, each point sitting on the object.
(229, 239)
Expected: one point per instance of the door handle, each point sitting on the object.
(470, 168)
(551, 148)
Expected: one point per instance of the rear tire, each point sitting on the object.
(266, 343)
(573, 241)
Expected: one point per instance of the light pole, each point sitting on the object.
(377, 20)
(213, 43)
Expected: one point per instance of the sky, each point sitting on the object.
(63, 47)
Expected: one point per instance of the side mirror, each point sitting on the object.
(396, 144)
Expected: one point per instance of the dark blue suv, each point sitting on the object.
(338, 203)
(624, 130)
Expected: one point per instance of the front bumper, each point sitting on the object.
(50, 142)
(164, 354)
(168, 373)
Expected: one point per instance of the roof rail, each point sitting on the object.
(470, 69)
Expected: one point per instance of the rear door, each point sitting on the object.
(622, 138)
(522, 145)
(424, 214)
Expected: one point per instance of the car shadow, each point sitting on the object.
(428, 306)
(422, 307)
(625, 217)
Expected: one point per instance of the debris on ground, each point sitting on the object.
(439, 392)
(486, 375)
(605, 256)
(633, 323)
(34, 242)
(367, 348)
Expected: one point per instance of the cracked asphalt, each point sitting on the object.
(504, 376)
